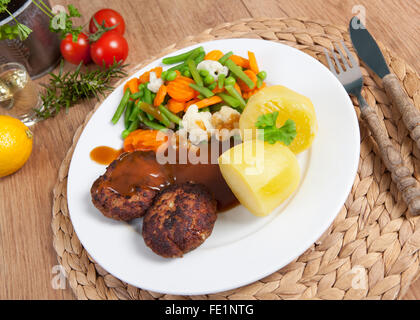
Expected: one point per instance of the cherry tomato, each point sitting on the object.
(111, 18)
(111, 45)
(75, 52)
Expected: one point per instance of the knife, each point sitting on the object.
(368, 50)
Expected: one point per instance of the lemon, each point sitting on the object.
(15, 145)
(290, 105)
(261, 175)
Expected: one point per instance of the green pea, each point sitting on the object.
(230, 81)
(142, 86)
(171, 75)
(163, 75)
(187, 73)
(208, 80)
(262, 75)
(204, 73)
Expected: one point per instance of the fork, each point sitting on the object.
(351, 78)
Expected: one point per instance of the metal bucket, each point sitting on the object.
(40, 52)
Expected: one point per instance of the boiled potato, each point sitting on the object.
(261, 175)
(290, 105)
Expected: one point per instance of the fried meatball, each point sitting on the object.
(118, 206)
(180, 219)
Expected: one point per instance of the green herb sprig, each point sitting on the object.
(60, 22)
(66, 89)
(11, 32)
(271, 133)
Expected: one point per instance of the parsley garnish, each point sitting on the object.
(272, 133)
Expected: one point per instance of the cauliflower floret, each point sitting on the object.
(215, 68)
(197, 124)
(226, 123)
(154, 82)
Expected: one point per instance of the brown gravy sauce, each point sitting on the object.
(141, 169)
(105, 155)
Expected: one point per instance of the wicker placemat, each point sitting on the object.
(370, 251)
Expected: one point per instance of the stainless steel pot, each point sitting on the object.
(40, 52)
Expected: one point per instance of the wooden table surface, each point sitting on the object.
(27, 256)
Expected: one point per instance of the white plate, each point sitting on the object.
(242, 248)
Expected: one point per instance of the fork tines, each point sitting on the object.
(344, 60)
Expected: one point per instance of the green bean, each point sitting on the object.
(171, 116)
(221, 81)
(206, 109)
(223, 59)
(149, 109)
(127, 114)
(259, 82)
(125, 133)
(199, 58)
(201, 97)
(134, 125)
(137, 95)
(212, 86)
(230, 81)
(229, 100)
(239, 73)
(194, 72)
(181, 57)
(235, 94)
(202, 90)
(150, 124)
(147, 97)
(166, 122)
(177, 67)
(135, 112)
(121, 107)
(151, 118)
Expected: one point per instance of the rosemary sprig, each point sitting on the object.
(64, 90)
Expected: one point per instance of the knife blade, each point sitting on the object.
(368, 50)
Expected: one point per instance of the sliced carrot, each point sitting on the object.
(193, 101)
(217, 90)
(175, 106)
(242, 62)
(160, 96)
(143, 140)
(236, 86)
(253, 62)
(208, 102)
(179, 89)
(145, 77)
(133, 85)
(252, 75)
(214, 55)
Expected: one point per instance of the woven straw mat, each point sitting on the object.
(371, 237)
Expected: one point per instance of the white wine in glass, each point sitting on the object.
(19, 95)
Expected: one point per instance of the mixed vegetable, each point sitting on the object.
(159, 99)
